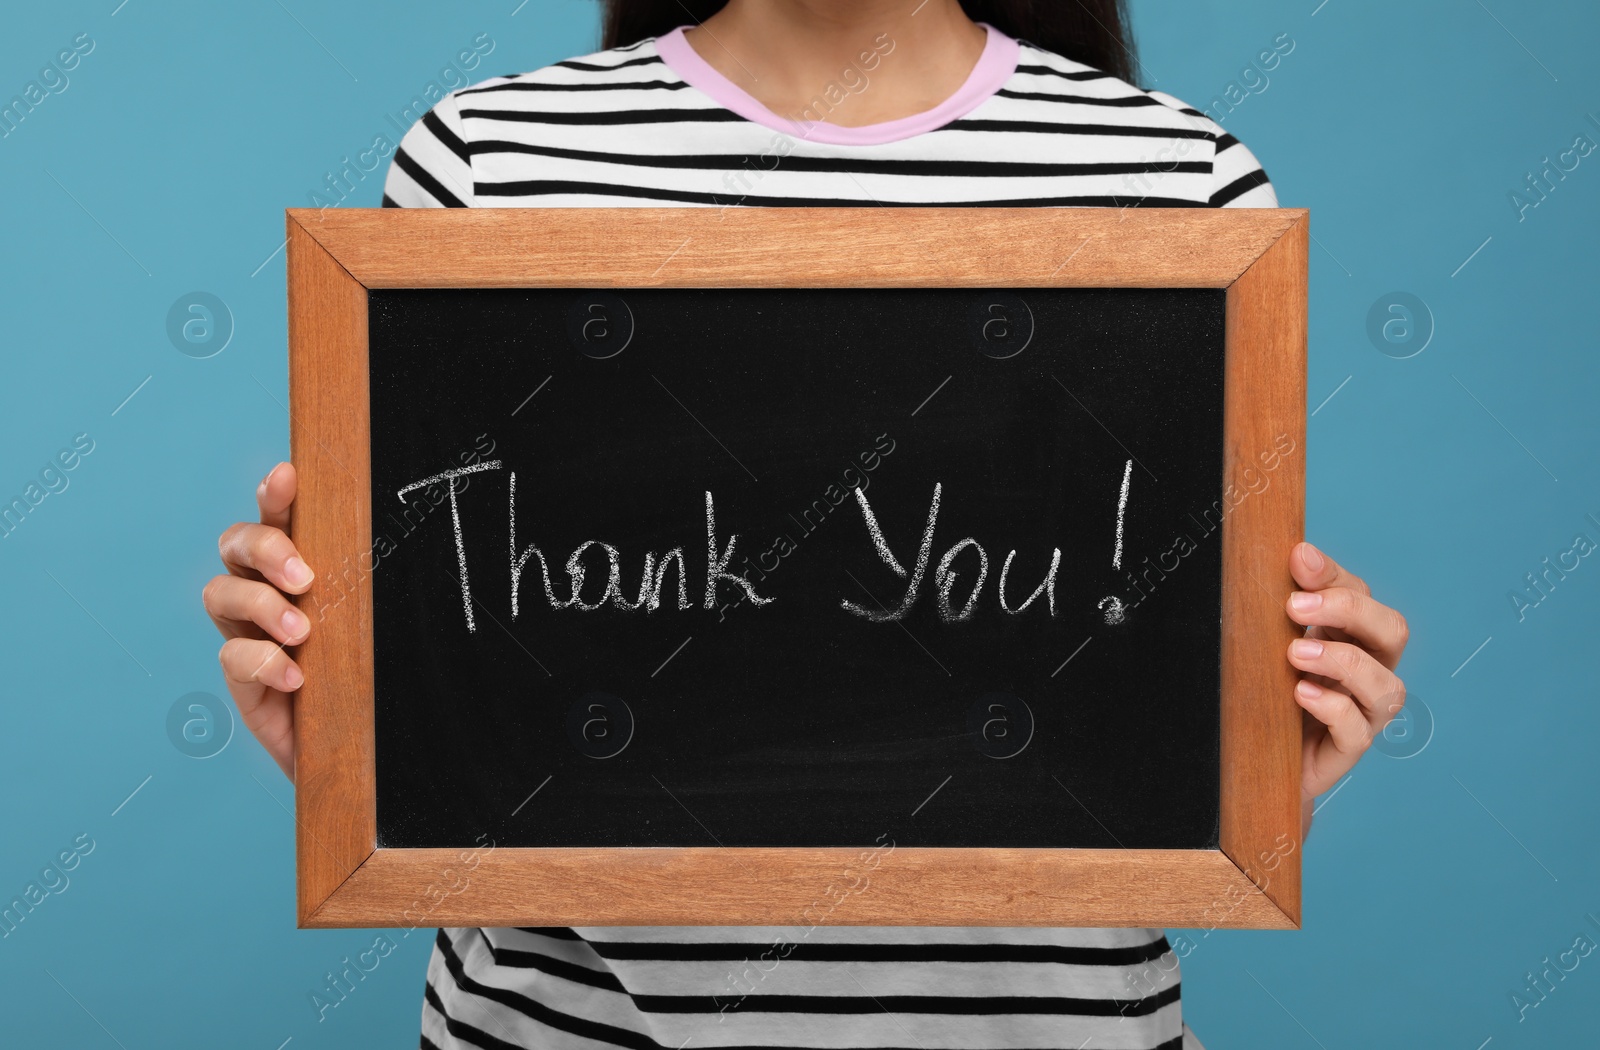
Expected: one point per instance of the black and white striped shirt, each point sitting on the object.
(652, 124)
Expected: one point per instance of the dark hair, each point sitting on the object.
(1094, 32)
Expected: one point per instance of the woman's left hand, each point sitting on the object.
(1349, 689)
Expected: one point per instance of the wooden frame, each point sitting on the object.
(1258, 256)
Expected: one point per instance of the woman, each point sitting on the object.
(800, 103)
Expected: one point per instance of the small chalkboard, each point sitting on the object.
(673, 593)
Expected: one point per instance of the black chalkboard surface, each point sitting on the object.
(1080, 421)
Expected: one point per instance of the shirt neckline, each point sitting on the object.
(994, 67)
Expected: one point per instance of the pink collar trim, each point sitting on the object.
(994, 67)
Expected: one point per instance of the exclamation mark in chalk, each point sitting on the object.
(1111, 606)
(1122, 512)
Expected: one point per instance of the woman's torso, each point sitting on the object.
(917, 988)
(652, 125)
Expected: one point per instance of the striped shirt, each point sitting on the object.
(653, 125)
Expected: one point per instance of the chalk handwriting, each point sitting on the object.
(949, 584)
(652, 577)
(943, 575)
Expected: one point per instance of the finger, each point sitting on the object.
(1372, 685)
(276, 493)
(1331, 755)
(248, 548)
(1314, 570)
(257, 672)
(235, 604)
(1357, 616)
(260, 661)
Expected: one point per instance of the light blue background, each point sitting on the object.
(1433, 883)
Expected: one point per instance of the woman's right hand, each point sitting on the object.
(249, 607)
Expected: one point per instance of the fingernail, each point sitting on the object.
(297, 572)
(1313, 558)
(1305, 600)
(1307, 690)
(293, 678)
(1305, 648)
(261, 488)
(294, 624)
